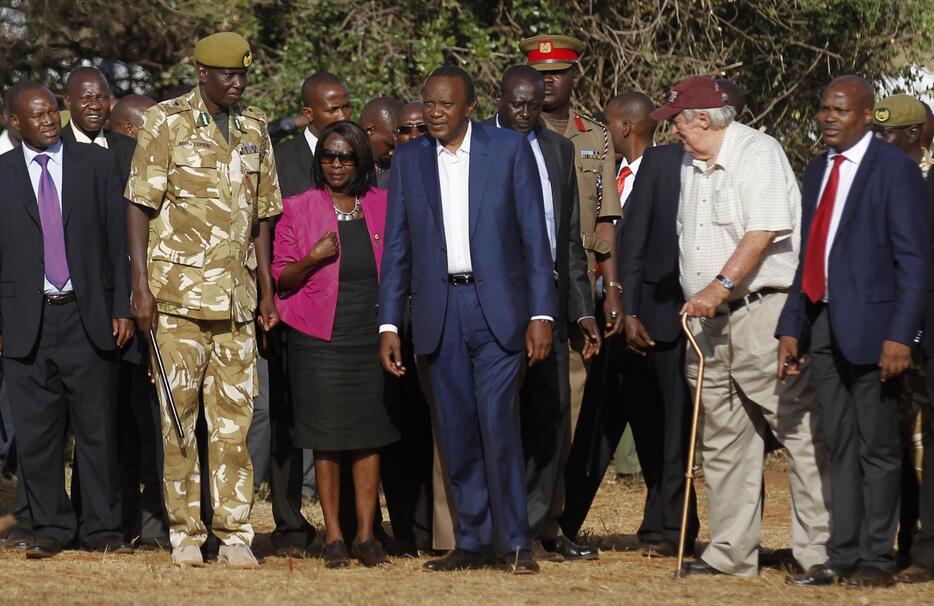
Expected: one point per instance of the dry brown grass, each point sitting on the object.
(619, 577)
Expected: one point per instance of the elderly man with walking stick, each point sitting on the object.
(739, 232)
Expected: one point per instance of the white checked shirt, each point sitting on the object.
(35, 173)
(751, 187)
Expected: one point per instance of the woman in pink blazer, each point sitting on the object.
(326, 263)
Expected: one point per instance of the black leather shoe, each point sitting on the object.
(293, 551)
(871, 576)
(43, 547)
(335, 555)
(370, 553)
(114, 546)
(459, 559)
(699, 566)
(17, 538)
(915, 574)
(571, 550)
(520, 562)
(819, 575)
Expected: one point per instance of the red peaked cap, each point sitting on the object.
(694, 92)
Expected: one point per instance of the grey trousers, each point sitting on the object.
(742, 398)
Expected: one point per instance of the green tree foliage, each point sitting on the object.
(781, 51)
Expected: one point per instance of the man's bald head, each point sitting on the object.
(521, 97)
(845, 114)
(517, 74)
(735, 95)
(628, 120)
(87, 97)
(83, 74)
(34, 113)
(127, 115)
(379, 119)
(325, 100)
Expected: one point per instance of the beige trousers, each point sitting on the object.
(742, 400)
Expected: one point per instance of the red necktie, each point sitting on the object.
(814, 277)
(621, 180)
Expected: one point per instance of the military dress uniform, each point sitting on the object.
(208, 193)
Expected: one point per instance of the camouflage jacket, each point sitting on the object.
(208, 195)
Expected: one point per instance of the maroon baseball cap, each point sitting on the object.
(694, 92)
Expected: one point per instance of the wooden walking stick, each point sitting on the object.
(689, 472)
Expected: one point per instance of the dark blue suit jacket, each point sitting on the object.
(509, 248)
(877, 283)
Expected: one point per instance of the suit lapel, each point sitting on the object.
(72, 176)
(479, 169)
(428, 162)
(549, 153)
(16, 164)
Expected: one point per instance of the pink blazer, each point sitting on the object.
(305, 218)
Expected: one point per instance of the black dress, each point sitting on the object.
(337, 385)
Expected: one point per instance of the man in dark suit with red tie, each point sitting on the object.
(64, 311)
(857, 300)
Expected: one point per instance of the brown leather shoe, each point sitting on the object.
(871, 576)
(521, 562)
(370, 553)
(915, 574)
(459, 559)
(543, 555)
(43, 547)
(664, 549)
(17, 538)
(335, 555)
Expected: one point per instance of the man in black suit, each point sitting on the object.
(64, 311)
(87, 97)
(379, 119)
(545, 396)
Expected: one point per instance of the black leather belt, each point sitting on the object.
(62, 299)
(460, 279)
(738, 304)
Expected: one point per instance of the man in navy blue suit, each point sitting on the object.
(858, 296)
(466, 238)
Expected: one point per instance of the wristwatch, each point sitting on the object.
(727, 283)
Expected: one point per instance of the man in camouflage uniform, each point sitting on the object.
(203, 186)
(557, 57)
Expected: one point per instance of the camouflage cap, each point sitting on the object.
(899, 110)
(224, 49)
(552, 53)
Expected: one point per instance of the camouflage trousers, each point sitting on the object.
(216, 360)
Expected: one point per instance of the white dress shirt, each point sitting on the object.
(312, 140)
(99, 140)
(6, 143)
(854, 156)
(630, 180)
(35, 173)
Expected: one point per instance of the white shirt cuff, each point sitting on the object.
(585, 318)
(549, 318)
(388, 328)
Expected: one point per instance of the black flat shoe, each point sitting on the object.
(370, 553)
(43, 547)
(335, 555)
(116, 546)
(820, 575)
(570, 550)
(699, 566)
(520, 562)
(459, 559)
(870, 576)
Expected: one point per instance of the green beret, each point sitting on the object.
(899, 110)
(224, 49)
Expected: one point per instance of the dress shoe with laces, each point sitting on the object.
(699, 566)
(370, 553)
(819, 575)
(520, 562)
(871, 576)
(459, 559)
(570, 550)
(335, 555)
(43, 547)
(915, 574)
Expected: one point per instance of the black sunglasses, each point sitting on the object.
(329, 156)
(405, 129)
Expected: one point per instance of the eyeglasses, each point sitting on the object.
(329, 156)
(407, 129)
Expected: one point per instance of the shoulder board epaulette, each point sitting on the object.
(253, 112)
(175, 106)
(581, 119)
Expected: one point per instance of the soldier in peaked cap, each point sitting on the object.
(899, 119)
(558, 58)
(203, 187)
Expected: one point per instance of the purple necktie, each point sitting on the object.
(53, 232)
